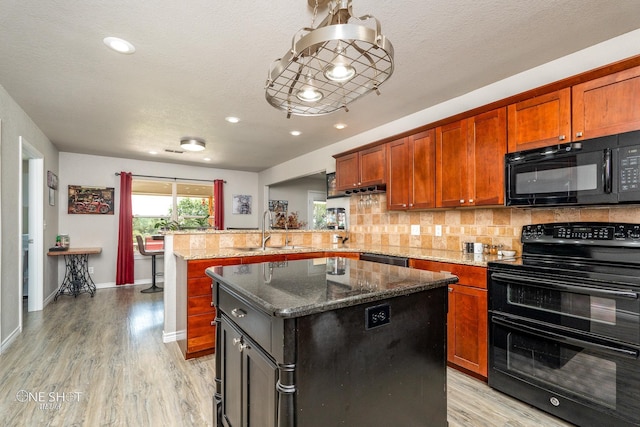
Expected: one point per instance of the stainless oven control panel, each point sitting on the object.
(604, 234)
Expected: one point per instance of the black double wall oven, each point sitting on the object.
(565, 322)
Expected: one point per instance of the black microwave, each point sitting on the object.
(598, 171)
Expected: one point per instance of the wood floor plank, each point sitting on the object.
(103, 361)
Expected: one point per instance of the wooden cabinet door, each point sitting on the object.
(248, 380)
(451, 165)
(541, 121)
(347, 171)
(399, 171)
(467, 338)
(373, 166)
(259, 387)
(607, 105)
(487, 147)
(231, 373)
(423, 170)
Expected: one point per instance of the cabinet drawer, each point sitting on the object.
(199, 286)
(199, 305)
(255, 323)
(469, 275)
(201, 334)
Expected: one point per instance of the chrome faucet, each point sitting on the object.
(264, 222)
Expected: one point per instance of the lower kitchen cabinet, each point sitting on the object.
(248, 379)
(200, 314)
(467, 328)
(467, 319)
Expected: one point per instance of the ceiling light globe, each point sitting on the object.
(192, 144)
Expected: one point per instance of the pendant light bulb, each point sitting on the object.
(309, 93)
(339, 70)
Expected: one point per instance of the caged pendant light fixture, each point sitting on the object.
(331, 65)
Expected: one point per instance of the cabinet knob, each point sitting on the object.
(470, 200)
(404, 205)
(237, 341)
(578, 134)
(213, 323)
(410, 205)
(562, 137)
(450, 289)
(238, 312)
(461, 201)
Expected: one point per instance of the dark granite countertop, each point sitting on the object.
(298, 288)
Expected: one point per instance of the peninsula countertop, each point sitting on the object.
(455, 257)
(298, 288)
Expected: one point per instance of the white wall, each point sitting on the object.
(610, 51)
(16, 124)
(102, 230)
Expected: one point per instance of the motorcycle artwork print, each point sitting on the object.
(90, 200)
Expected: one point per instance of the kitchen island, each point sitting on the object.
(330, 341)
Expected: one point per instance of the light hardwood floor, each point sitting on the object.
(101, 362)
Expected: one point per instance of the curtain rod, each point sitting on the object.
(169, 177)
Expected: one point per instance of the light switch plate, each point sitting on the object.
(415, 230)
(438, 230)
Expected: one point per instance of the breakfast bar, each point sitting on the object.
(301, 343)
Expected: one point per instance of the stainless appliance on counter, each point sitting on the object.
(336, 218)
(565, 322)
(602, 170)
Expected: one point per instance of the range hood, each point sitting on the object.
(370, 189)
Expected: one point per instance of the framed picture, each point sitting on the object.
(90, 200)
(52, 180)
(332, 193)
(242, 204)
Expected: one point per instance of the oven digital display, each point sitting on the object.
(584, 233)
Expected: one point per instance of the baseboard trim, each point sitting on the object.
(173, 336)
(106, 285)
(10, 339)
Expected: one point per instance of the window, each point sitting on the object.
(164, 203)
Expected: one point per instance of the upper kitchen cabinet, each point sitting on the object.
(607, 105)
(539, 122)
(487, 147)
(411, 172)
(451, 165)
(363, 168)
(469, 160)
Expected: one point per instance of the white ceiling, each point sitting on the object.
(199, 61)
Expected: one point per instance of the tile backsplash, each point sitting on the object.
(373, 224)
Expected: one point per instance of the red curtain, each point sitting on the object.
(218, 200)
(124, 266)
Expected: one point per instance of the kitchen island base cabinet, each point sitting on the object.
(334, 367)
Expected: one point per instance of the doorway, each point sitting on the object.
(31, 227)
(317, 209)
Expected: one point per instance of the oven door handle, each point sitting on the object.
(618, 351)
(553, 284)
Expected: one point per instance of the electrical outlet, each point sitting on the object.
(415, 230)
(377, 316)
(90, 270)
(438, 230)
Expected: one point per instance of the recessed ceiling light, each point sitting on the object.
(191, 143)
(295, 132)
(231, 119)
(339, 126)
(153, 152)
(206, 159)
(119, 45)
